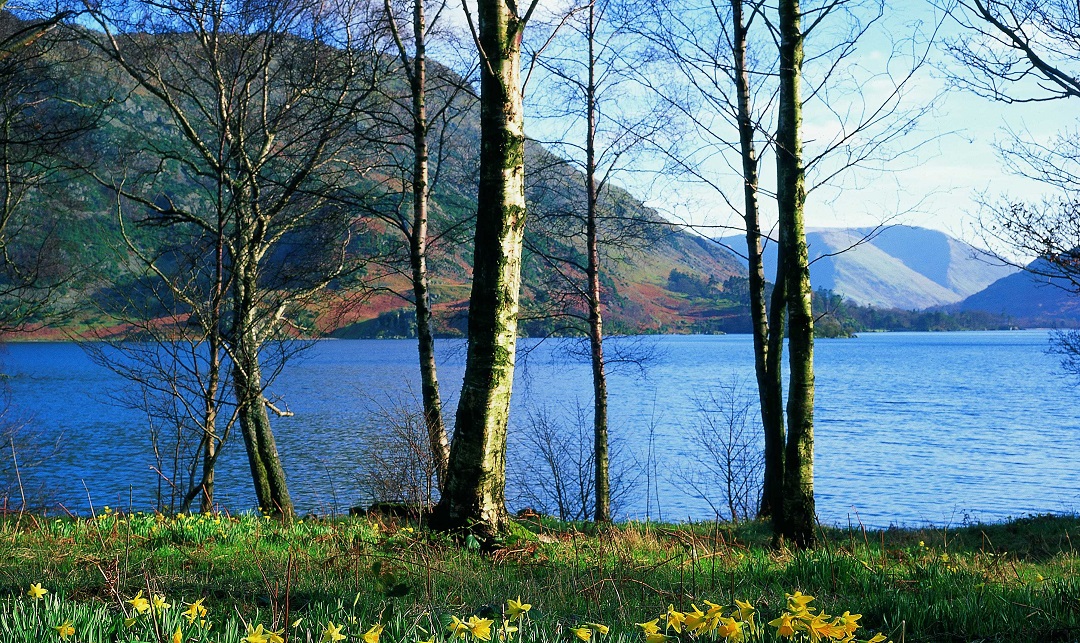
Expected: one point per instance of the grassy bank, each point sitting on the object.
(1010, 582)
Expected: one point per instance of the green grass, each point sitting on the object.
(1010, 582)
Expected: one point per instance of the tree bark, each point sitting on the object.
(766, 352)
(798, 520)
(267, 474)
(596, 327)
(433, 415)
(474, 494)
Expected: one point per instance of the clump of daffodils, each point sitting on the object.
(800, 623)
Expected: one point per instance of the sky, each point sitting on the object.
(935, 186)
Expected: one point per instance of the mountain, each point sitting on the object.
(900, 266)
(641, 293)
(1029, 298)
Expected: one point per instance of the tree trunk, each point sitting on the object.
(596, 328)
(474, 494)
(799, 520)
(766, 353)
(433, 416)
(267, 473)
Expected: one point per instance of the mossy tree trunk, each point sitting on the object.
(267, 473)
(797, 522)
(474, 494)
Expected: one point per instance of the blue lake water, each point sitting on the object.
(911, 428)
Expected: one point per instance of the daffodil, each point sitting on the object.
(582, 632)
(332, 633)
(598, 628)
(480, 627)
(797, 602)
(275, 637)
(746, 610)
(195, 610)
(257, 635)
(656, 637)
(159, 604)
(458, 628)
(516, 609)
(178, 635)
(651, 627)
(372, 635)
(850, 622)
(784, 625)
(504, 631)
(730, 629)
(139, 604)
(877, 638)
(36, 591)
(821, 628)
(675, 619)
(65, 630)
(694, 620)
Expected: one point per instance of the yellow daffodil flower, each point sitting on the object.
(65, 630)
(256, 635)
(694, 620)
(275, 637)
(821, 628)
(139, 604)
(458, 628)
(298, 621)
(656, 637)
(784, 625)
(372, 635)
(730, 629)
(195, 610)
(675, 619)
(332, 633)
(582, 632)
(480, 627)
(36, 591)
(877, 638)
(850, 622)
(651, 627)
(159, 603)
(178, 635)
(797, 602)
(746, 610)
(516, 609)
(598, 628)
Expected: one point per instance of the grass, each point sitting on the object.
(1005, 582)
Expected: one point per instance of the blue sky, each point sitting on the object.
(935, 186)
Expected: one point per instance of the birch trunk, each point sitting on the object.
(798, 520)
(474, 494)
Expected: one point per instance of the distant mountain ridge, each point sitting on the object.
(1028, 297)
(900, 266)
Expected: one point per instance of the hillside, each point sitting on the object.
(1031, 299)
(901, 267)
(637, 281)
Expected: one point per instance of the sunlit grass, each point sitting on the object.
(1011, 582)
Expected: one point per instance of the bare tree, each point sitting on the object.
(740, 89)
(584, 68)
(729, 475)
(425, 119)
(1022, 51)
(264, 110)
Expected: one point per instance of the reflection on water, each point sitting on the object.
(911, 428)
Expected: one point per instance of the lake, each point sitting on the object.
(911, 428)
